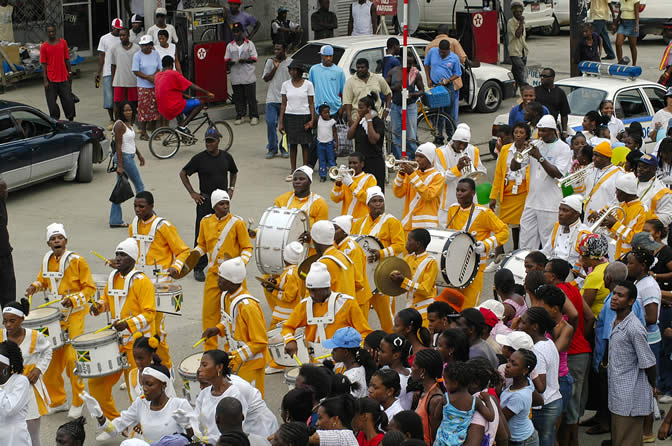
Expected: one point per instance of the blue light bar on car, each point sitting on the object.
(609, 69)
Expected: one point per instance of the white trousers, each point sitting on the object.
(536, 227)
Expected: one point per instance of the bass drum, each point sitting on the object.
(277, 228)
(455, 253)
(370, 244)
(515, 262)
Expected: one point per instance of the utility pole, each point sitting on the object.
(577, 17)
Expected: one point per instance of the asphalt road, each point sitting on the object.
(84, 208)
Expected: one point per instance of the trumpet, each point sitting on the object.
(595, 228)
(575, 179)
(521, 157)
(469, 171)
(337, 173)
(392, 163)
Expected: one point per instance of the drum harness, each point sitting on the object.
(220, 241)
(119, 297)
(315, 348)
(229, 320)
(55, 278)
(145, 242)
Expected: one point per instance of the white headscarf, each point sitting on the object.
(573, 201)
(428, 150)
(305, 169)
(374, 191)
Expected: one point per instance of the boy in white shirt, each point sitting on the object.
(327, 141)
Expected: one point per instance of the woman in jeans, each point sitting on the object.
(124, 137)
(415, 90)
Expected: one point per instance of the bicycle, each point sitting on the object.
(428, 124)
(165, 141)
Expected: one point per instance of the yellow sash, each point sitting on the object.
(597, 186)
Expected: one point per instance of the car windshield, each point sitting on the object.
(582, 100)
(309, 54)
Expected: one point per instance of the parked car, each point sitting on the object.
(634, 99)
(484, 88)
(653, 16)
(561, 12)
(35, 147)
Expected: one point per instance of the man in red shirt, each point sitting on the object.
(169, 86)
(55, 61)
(578, 354)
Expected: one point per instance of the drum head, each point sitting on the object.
(277, 228)
(172, 288)
(515, 262)
(459, 261)
(369, 245)
(292, 373)
(95, 336)
(100, 280)
(191, 363)
(42, 313)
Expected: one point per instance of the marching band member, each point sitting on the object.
(129, 297)
(36, 351)
(549, 158)
(421, 189)
(634, 219)
(420, 287)
(567, 232)
(452, 160)
(242, 324)
(601, 181)
(15, 396)
(222, 236)
(346, 244)
(388, 230)
(65, 276)
(162, 251)
(322, 313)
(483, 224)
(302, 198)
(290, 288)
(344, 278)
(652, 191)
(351, 190)
(509, 187)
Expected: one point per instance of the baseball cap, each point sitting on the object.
(327, 50)
(282, 9)
(649, 159)
(346, 337)
(146, 39)
(547, 122)
(136, 19)
(644, 240)
(117, 24)
(495, 306)
(212, 133)
(490, 318)
(161, 11)
(235, 2)
(516, 340)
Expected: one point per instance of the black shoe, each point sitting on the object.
(609, 58)
(323, 179)
(199, 275)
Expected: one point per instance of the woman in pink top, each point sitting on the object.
(514, 304)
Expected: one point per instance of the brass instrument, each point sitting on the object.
(392, 163)
(469, 171)
(336, 173)
(595, 228)
(575, 179)
(521, 157)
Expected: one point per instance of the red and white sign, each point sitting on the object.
(386, 7)
(477, 20)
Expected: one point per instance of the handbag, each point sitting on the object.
(345, 145)
(122, 190)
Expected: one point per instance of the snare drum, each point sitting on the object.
(290, 377)
(168, 298)
(98, 354)
(276, 345)
(48, 322)
(187, 371)
(369, 245)
(455, 253)
(515, 262)
(101, 281)
(277, 228)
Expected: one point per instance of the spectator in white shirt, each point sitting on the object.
(153, 30)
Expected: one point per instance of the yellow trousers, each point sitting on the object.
(385, 309)
(211, 308)
(101, 388)
(160, 330)
(254, 376)
(472, 293)
(65, 358)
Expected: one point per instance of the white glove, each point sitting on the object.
(480, 247)
(347, 180)
(91, 404)
(181, 417)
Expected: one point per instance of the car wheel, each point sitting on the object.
(85, 164)
(641, 37)
(489, 97)
(551, 30)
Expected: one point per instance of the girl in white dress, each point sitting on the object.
(393, 353)
(36, 351)
(157, 414)
(144, 352)
(351, 360)
(72, 433)
(214, 371)
(15, 394)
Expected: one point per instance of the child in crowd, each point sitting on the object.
(393, 353)
(327, 141)
(384, 388)
(517, 398)
(370, 422)
(352, 360)
(486, 379)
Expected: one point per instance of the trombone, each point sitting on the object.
(575, 179)
(603, 215)
(337, 173)
(392, 163)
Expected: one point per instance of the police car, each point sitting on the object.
(635, 99)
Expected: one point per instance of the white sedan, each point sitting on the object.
(485, 86)
(634, 99)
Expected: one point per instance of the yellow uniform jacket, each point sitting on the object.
(293, 290)
(344, 277)
(385, 228)
(422, 193)
(227, 236)
(353, 196)
(623, 230)
(421, 287)
(355, 252)
(158, 241)
(313, 205)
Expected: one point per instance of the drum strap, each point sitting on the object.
(220, 241)
(338, 262)
(322, 321)
(471, 214)
(55, 277)
(119, 295)
(416, 277)
(306, 206)
(376, 229)
(416, 198)
(230, 319)
(362, 182)
(145, 241)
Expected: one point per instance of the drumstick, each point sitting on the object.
(323, 357)
(30, 299)
(266, 282)
(101, 257)
(49, 303)
(202, 340)
(296, 358)
(107, 327)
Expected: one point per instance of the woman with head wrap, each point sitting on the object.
(593, 249)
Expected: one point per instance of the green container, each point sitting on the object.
(483, 193)
(567, 191)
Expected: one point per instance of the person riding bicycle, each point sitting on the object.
(170, 97)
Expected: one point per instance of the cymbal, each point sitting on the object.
(304, 266)
(189, 263)
(382, 275)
